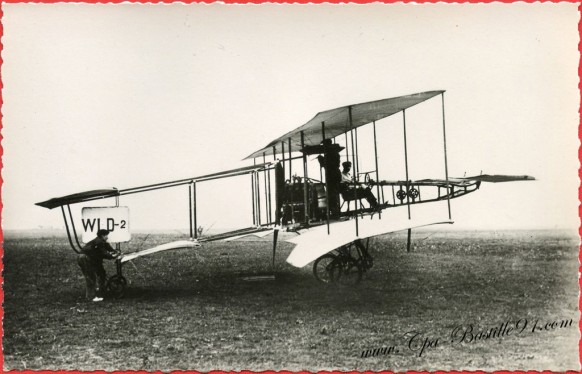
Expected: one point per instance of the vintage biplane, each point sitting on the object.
(330, 218)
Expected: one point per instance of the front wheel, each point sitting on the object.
(323, 268)
(116, 286)
(348, 273)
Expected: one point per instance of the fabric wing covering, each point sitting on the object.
(337, 121)
(78, 197)
(317, 242)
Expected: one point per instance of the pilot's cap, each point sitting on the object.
(346, 164)
(102, 232)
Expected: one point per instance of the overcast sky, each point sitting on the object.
(97, 96)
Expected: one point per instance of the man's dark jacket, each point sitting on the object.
(98, 249)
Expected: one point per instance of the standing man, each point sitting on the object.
(330, 161)
(91, 262)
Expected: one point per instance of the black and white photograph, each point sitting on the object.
(347, 187)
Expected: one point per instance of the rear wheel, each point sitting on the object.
(323, 268)
(116, 286)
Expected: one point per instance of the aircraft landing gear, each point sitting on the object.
(344, 267)
(323, 268)
(348, 272)
(116, 284)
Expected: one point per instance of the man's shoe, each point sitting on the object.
(97, 299)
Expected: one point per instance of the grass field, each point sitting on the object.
(190, 309)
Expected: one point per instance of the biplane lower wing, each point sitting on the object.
(316, 242)
(181, 244)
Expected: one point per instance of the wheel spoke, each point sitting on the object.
(323, 268)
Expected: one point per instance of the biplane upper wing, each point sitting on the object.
(316, 242)
(337, 121)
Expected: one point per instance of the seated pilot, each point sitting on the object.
(350, 192)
